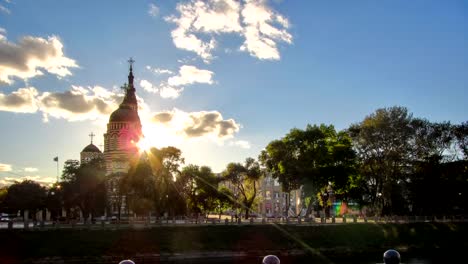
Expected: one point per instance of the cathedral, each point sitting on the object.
(123, 131)
(120, 142)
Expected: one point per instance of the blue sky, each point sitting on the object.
(241, 72)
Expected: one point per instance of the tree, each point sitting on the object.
(165, 164)
(245, 179)
(139, 187)
(200, 187)
(70, 170)
(25, 195)
(317, 158)
(84, 186)
(461, 134)
(430, 139)
(3, 194)
(383, 144)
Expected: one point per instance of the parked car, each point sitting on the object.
(5, 219)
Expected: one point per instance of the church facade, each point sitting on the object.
(123, 131)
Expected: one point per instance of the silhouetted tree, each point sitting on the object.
(84, 186)
(25, 195)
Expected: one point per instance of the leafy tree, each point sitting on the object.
(224, 200)
(3, 194)
(199, 185)
(55, 199)
(25, 195)
(461, 134)
(84, 186)
(165, 164)
(382, 141)
(245, 178)
(430, 139)
(317, 158)
(70, 170)
(138, 185)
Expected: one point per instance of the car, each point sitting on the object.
(5, 219)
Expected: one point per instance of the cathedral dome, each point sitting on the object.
(124, 114)
(91, 148)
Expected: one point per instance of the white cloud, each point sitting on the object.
(149, 87)
(153, 10)
(190, 75)
(176, 126)
(29, 169)
(37, 178)
(170, 92)
(5, 167)
(159, 70)
(30, 56)
(259, 31)
(240, 143)
(5, 10)
(199, 22)
(174, 85)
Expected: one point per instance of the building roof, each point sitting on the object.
(124, 114)
(91, 148)
(128, 109)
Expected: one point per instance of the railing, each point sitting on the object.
(144, 223)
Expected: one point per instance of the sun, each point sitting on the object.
(157, 136)
(144, 145)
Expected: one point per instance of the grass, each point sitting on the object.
(337, 240)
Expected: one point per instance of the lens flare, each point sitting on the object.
(143, 145)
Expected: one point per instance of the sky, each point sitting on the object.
(218, 79)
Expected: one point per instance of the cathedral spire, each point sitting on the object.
(130, 74)
(91, 136)
(130, 97)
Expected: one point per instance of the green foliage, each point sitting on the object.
(461, 134)
(245, 178)
(139, 187)
(200, 187)
(316, 158)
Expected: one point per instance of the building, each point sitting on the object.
(123, 131)
(90, 152)
(120, 144)
(273, 202)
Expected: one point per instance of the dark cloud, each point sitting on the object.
(163, 117)
(75, 103)
(23, 101)
(26, 58)
(208, 123)
(78, 103)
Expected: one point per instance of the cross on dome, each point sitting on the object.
(131, 61)
(91, 136)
